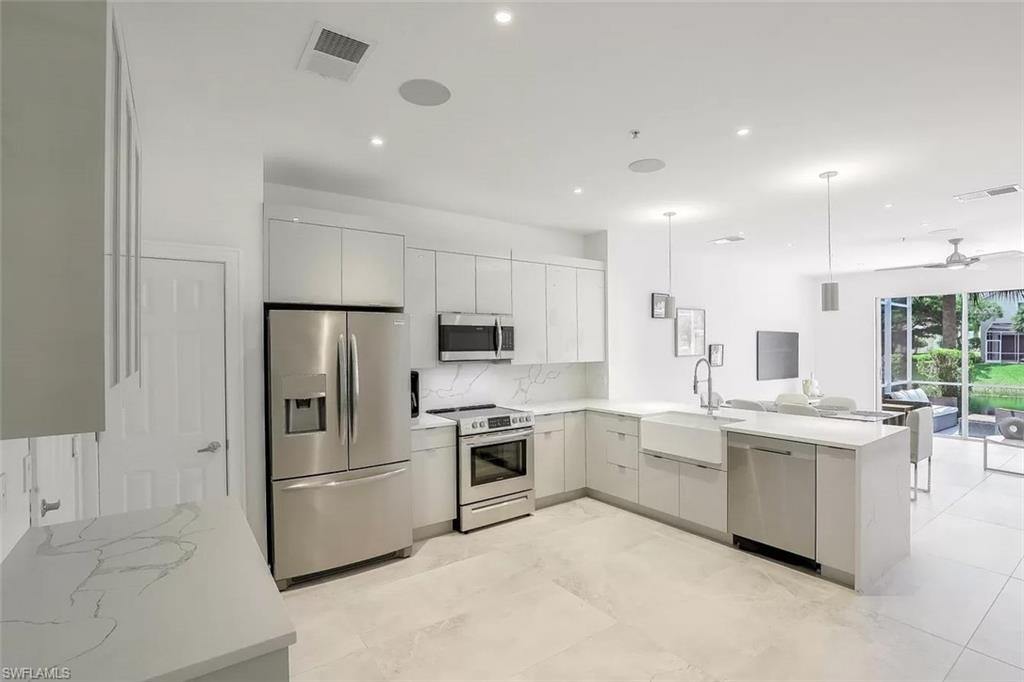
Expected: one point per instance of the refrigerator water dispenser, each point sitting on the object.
(305, 402)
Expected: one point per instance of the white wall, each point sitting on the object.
(202, 193)
(740, 297)
(846, 360)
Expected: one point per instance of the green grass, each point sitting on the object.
(995, 373)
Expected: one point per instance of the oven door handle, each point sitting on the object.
(499, 437)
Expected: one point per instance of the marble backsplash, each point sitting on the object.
(472, 383)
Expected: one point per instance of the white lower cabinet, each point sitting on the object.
(659, 484)
(434, 472)
(559, 454)
(549, 463)
(703, 496)
(836, 504)
(575, 451)
(612, 455)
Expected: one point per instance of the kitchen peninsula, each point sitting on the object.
(168, 593)
(669, 460)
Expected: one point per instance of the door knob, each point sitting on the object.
(214, 446)
(48, 507)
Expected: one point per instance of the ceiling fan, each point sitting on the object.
(956, 260)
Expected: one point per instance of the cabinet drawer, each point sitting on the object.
(548, 422)
(621, 482)
(428, 439)
(622, 449)
(628, 425)
(703, 496)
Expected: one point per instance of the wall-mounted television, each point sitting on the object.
(778, 355)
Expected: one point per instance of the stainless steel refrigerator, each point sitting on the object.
(339, 484)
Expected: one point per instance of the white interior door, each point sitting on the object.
(58, 479)
(167, 443)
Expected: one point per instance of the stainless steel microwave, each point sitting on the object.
(462, 337)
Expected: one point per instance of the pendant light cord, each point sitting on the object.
(828, 194)
(670, 255)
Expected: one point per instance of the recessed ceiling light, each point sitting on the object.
(577, 190)
(646, 165)
(789, 245)
(377, 141)
(887, 206)
(743, 132)
(424, 92)
(503, 17)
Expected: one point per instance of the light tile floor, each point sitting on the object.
(586, 591)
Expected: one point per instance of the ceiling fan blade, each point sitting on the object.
(912, 267)
(999, 254)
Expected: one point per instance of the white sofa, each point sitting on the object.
(943, 416)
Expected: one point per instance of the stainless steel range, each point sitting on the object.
(495, 461)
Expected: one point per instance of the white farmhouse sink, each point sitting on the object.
(696, 437)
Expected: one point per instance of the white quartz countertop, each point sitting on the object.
(430, 421)
(836, 433)
(168, 593)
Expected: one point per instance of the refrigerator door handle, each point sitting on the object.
(344, 482)
(354, 397)
(342, 387)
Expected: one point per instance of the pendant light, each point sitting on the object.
(670, 304)
(829, 289)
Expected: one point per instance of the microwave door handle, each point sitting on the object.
(354, 397)
(497, 324)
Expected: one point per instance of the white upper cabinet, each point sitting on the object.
(456, 282)
(63, 128)
(421, 307)
(590, 297)
(304, 263)
(372, 268)
(330, 265)
(493, 285)
(561, 314)
(528, 310)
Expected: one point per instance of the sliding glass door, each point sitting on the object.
(923, 358)
(996, 372)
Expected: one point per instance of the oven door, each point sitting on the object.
(495, 464)
(463, 337)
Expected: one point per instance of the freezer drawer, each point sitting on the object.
(323, 522)
(772, 489)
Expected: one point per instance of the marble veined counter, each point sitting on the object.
(168, 593)
(818, 430)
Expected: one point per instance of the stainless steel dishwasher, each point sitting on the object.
(772, 492)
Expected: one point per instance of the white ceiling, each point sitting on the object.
(911, 103)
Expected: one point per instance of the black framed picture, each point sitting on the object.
(716, 354)
(659, 305)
